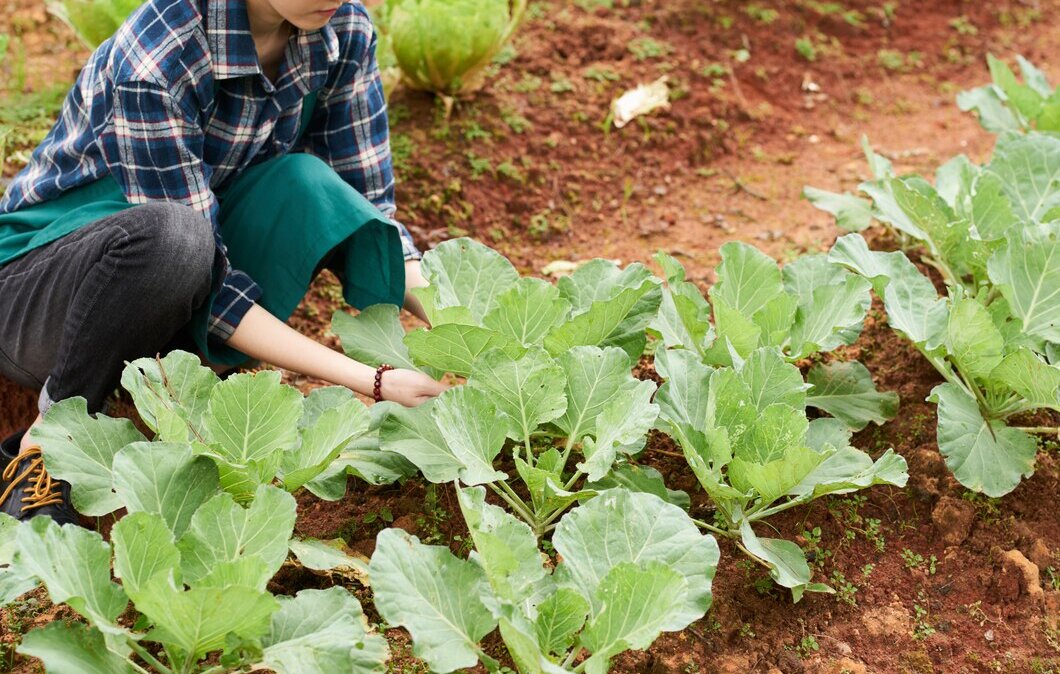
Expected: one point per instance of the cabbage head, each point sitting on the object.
(444, 46)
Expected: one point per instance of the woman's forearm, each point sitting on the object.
(262, 336)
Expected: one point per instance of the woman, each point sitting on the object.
(212, 157)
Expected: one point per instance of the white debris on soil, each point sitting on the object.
(646, 98)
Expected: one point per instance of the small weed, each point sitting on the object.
(845, 590)
(867, 570)
(560, 84)
(761, 14)
(806, 49)
(511, 172)
(747, 631)
(922, 628)
(808, 646)
(432, 518)
(528, 84)
(963, 25)
(473, 131)
(1053, 578)
(644, 48)
(516, 122)
(479, 165)
(601, 74)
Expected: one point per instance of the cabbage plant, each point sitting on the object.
(444, 46)
(992, 233)
(194, 564)
(1007, 104)
(548, 371)
(630, 566)
(744, 431)
(253, 429)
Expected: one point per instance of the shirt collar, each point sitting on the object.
(234, 54)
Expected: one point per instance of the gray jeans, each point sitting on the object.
(123, 287)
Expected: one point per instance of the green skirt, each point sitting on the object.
(279, 219)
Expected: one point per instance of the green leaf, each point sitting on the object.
(620, 526)
(993, 115)
(987, 457)
(748, 279)
(472, 434)
(252, 419)
(846, 391)
(455, 348)
(594, 377)
(1028, 167)
(543, 482)
(637, 601)
(334, 423)
(1026, 374)
(559, 618)
(641, 479)
(74, 565)
(199, 620)
(434, 595)
(775, 429)
(1027, 270)
(505, 547)
(72, 649)
(612, 307)
(788, 567)
(374, 336)
(772, 479)
(621, 426)
(683, 398)
(412, 433)
(851, 213)
(143, 548)
(327, 556)
(527, 311)
(527, 391)
(169, 391)
(80, 449)
(972, 339)
(834, 317)
(468, 274)
(321, 632)
(770, 379)
(1026, 101)
(164, 478)
(849, 470)
(15, 581)
(912, 303)
(222, 530)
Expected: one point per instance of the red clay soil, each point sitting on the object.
(934, 579)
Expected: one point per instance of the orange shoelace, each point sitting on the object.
(44, 491)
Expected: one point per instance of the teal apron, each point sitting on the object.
(279, 219)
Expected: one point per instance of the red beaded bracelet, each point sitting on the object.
(377, 392)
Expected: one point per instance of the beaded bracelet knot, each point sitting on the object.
(377, 391)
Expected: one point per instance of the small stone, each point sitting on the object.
(407, 523)
(789, 663)
(848, 666)
(734, 664)
(989, 635)
(953, 520)
(843, 648)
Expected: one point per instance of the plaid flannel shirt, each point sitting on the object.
(175, 104)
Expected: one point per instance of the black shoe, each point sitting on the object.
(27, 490)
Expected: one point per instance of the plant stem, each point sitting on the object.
(713, 529)
(1045, 430)
(753, 556)
(571, 656)
(147, 657)
(517, 504)
(762, 514)
(573, 479)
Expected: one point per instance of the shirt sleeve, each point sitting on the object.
(154, 150)
(350, 131)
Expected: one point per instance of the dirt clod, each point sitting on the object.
(1018, 577)
(1040, 554)
(953, 519)
(887, 622)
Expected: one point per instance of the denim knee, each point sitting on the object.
(178, 245)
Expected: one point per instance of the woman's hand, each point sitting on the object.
(409, 387)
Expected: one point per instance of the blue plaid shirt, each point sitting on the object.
(175, 105)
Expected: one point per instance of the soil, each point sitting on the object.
(934, 579)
